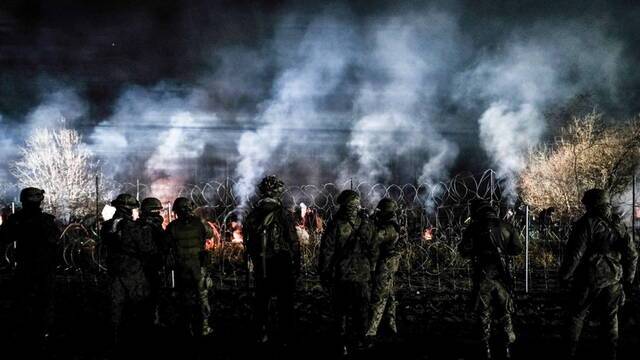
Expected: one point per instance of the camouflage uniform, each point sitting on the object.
(387, 256)
(490, 241)
(346, 263)
(150, 221)
(187, 236)
(600, 257)
(36, 236)
(274, 250)
(129, 250)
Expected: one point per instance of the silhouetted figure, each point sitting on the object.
(346, 262)
(274, 250)
(600, 261)
(36, 236)
(187, 236)
(490, 242)
(129, 251)
(150, 220)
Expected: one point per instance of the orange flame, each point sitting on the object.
(166, 214)
(310, 219)
(210, 244)
(427, 233)
(237, 236)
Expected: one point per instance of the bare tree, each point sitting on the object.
(58, 162)
(588, 154)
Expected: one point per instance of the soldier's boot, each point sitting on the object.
(609, 350)
(391, 316)
(263, 334)
(572, 349)
(369, 341)
(485, 331)
(343, 341)
(204, 307)
(486, 350)
(156, 316)
(572, 337)
(345, 350)
(507, 351)
(206, 330)
(508, 329)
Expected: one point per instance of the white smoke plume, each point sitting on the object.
(166, 165)
(534, 71)
(333, 96)
(411, 62)
(60, 107)
(7, 151)
(160, 129)
(507, 135)
(315, 67)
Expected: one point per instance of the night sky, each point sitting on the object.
(228, 61)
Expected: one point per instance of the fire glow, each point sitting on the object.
(211, 243)
(308, 223)
(427, 234)
(237, 236)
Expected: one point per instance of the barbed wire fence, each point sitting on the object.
(432, 217)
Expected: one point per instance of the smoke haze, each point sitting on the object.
(316, 94)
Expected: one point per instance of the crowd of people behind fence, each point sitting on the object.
(359, 257)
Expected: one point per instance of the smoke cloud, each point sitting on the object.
(538, 68)
(157, 135)
(316, 68)
(411, 60)
(320, 96)
(59, 107)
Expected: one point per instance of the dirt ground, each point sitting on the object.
(432, 325)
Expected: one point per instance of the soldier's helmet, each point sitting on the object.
(595, 197)
(387, 205)
(182, 204)
(150, 204)
(31, 195)
(480, 206)
(347, 196)
(271, 186)
(125, 201)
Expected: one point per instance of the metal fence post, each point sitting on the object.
(98, 205)
(633, 210)
(526, 250)
(15, 243)
(99, 256)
